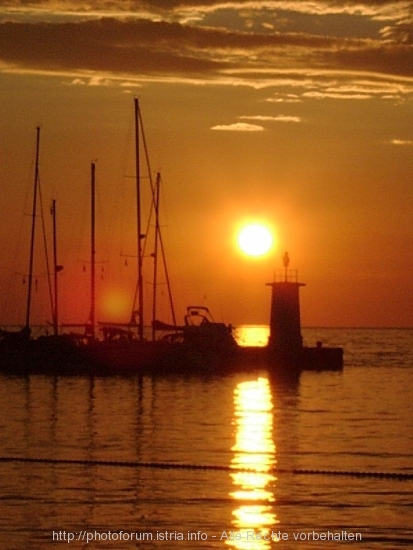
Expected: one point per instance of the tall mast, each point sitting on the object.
(92, 255)
(139, 222)
(55, 272)
(33, 230)
(155, 252)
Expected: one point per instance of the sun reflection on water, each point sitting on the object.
(254, 452)
(256, 335)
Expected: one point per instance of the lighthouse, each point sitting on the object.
(285, 344)
(285, 322)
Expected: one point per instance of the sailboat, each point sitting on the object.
(131, 347)
(15, 346)
(136, 323)
(20, 352)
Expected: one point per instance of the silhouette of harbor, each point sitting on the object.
(199, 345)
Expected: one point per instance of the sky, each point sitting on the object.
(294, 114)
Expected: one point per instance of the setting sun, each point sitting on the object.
(255, 240)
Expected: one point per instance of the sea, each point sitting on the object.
(244, 461)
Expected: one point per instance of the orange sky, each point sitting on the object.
(294, 113)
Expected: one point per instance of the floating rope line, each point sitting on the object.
(400, 476)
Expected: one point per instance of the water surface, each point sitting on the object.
(256, 437)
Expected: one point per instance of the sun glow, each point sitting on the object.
(116, 305)
(255, 240)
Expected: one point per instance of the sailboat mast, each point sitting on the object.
(155, 253)
(33, 230)
(55, 271)
(92, 255)
(139, 222)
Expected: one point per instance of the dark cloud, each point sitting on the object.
(386, 59)
(135, 47)
(139, 47)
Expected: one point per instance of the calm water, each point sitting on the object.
(359, 420)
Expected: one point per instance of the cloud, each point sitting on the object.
(194, 10)
(91, 81)
(287, 98)
(340, 86)
(408, 142)
(335, 95)
(239, 127)
(277, 118)
(134, 41)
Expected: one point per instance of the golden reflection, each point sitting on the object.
(256, 335)
(254, 454)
